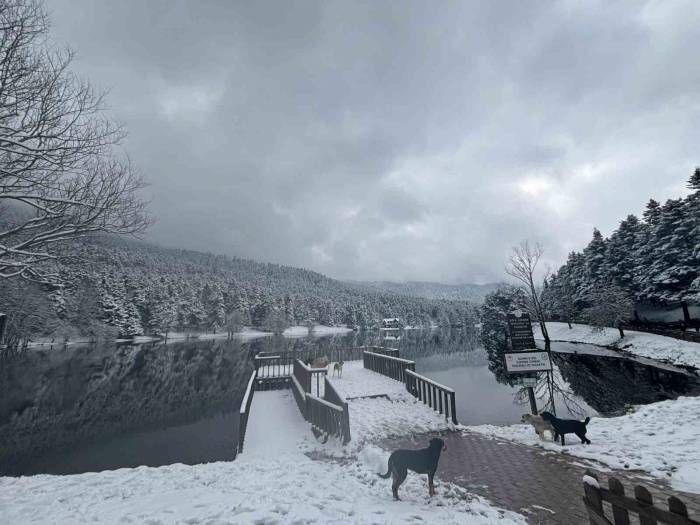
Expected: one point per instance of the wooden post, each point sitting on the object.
(643, 497)
(3, 322)
(676, 506)
(453, 404)
(620, 514)
(346, 423)
(592, 499)
(686, 313)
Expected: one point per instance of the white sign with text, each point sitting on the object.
(528, 362)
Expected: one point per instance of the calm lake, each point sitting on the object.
(80, 409)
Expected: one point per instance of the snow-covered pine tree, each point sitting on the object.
(621, 258)
(672, 267)
(594, 256)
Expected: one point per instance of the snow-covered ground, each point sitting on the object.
(638, 343)
(273, 481)
(246, 334)
(377, 418)
(320, 329)
(661, 439)
(296, 331)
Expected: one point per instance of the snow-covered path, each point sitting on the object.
(372, 419)
(638, 343)
(661, 438)
(273, 482)
(275, 425)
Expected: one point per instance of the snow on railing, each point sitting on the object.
(245, 410)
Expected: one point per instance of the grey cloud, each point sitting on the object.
(395, 141)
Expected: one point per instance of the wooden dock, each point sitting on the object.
(322, 400)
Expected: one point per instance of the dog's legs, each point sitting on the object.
(398, 477)
(431, 486)
(562, 440)
(583, 438)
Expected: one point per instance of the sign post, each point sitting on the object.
(3, 320)
(524, 356)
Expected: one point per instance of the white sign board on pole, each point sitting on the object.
(530, 382)
(528, 362)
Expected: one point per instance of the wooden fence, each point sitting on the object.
(438, 397)
(274, 371)
(309, 378)
(329, 414)
(677, 330)
(392, 352)
(435, 395)
(642, 505)
(245, 410)
(333, 354)
(393, 367)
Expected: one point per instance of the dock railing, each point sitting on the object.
(245, 410)
(274, 370)
(382, 350)
(393, 367)
(309, 378)
(439, 397)
(330, 414)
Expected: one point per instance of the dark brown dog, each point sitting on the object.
(423, 461)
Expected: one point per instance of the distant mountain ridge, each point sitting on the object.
(429, 290)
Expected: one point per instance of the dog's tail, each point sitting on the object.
(388, 471)
(587, 420)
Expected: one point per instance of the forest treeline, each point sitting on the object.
(119, 287)
(654, 259)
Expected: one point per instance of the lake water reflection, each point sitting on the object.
(87, 409)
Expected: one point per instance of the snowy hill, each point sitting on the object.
(453, 292)
(138, 288)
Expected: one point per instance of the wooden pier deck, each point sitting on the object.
(374, 398)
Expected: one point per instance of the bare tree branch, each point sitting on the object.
(61, 177)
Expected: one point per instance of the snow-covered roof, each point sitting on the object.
(390, 319)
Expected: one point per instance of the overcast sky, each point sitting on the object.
(395, 140)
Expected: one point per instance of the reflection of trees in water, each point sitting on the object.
(412, 343)
(610, 384)
(607, 384)
(53, 399)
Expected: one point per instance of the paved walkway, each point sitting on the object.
(544, 486)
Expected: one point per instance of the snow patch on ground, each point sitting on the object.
(661, 438)
(296, 331)
(290, 488)
(372, 419)
(642, 344)
(320, 329)
(273, 481)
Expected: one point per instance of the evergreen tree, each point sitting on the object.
(694, 181)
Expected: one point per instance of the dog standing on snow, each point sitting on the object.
(567, 426)
(338, 367)
(541, 426)
(423, 461)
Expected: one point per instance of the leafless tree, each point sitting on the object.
(610, 306)
(522, 265)
(61, 175)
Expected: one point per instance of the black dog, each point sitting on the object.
(567, 426)
(423, 461)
